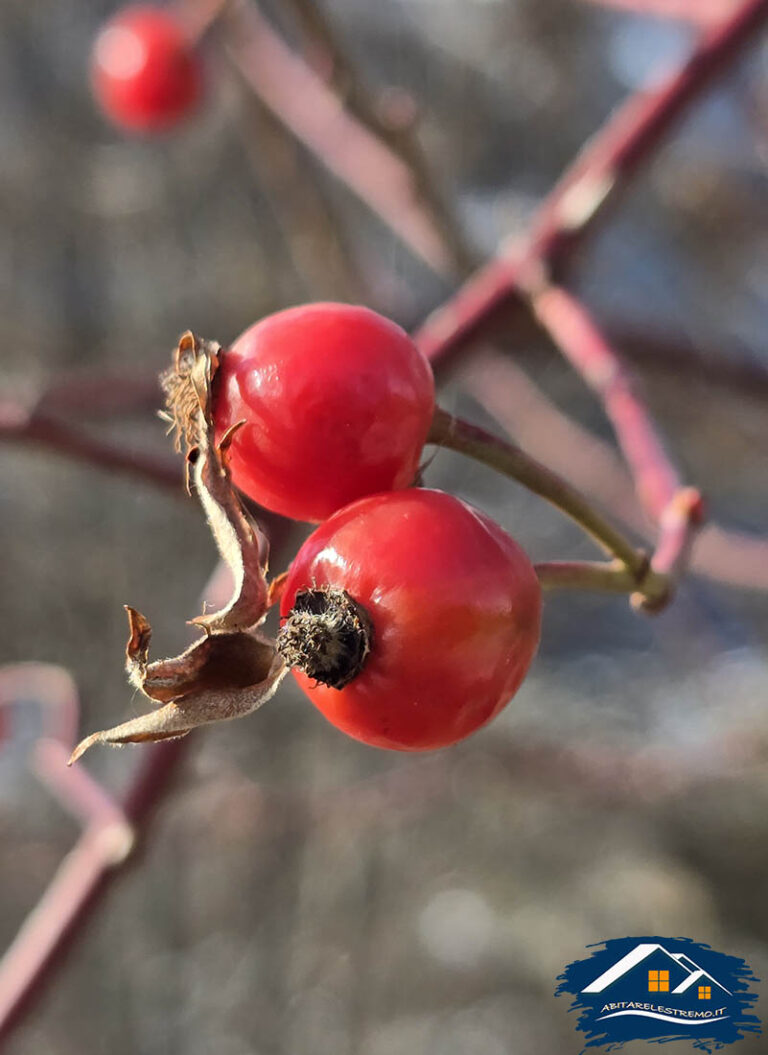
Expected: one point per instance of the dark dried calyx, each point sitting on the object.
(327, 635)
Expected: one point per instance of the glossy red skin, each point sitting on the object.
(337, 402)
(456, 610)
(145, 74)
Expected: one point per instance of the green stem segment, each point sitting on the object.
(650, 593)
(630, 570)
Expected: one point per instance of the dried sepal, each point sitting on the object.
(220, 677)
(186, 385)
(233, 669)
(240, 541)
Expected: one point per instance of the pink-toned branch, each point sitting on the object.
(110, 835)
(302, 100)
(591, 464)
(83, 877)
(576, 335)
(52, 688)
(601, 170)
(678, 510)
(702, 13)
(99, 395)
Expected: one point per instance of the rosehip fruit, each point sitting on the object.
(145, 74)
(337, 402)
(422, 612)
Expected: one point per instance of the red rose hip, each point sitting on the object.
(145, 73)
(423, 611)
(337, 402)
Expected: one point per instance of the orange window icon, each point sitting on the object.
(705, 992)
(658, 981)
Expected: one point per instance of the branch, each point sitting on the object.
(604, 167)
(457, 435)
(104, 848)
(523, 410)
(677, 355)
(577, 337)
(703, 13)
(53, 690)
(99, 395)
(39, 429)
(398, 135)
(586, 575)
(302, 100)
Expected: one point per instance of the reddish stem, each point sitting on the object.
(302, 100)
(576, 335)
(86, 873)
(703, 13)
(603, 168)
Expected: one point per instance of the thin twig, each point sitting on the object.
(99, 395)
(52, 688)
(585, 575)
(678, 510)
(313, 239)
(458, 435)
(675, 354)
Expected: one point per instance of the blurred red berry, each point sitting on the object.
(337, 402)
(145, 73)
(444, 619)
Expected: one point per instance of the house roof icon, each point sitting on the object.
(641, 952)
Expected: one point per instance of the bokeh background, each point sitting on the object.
(302, 894)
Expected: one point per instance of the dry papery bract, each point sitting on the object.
(234, 668)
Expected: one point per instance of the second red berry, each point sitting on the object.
(145, 74)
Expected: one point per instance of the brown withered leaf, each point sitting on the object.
(233, 669)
